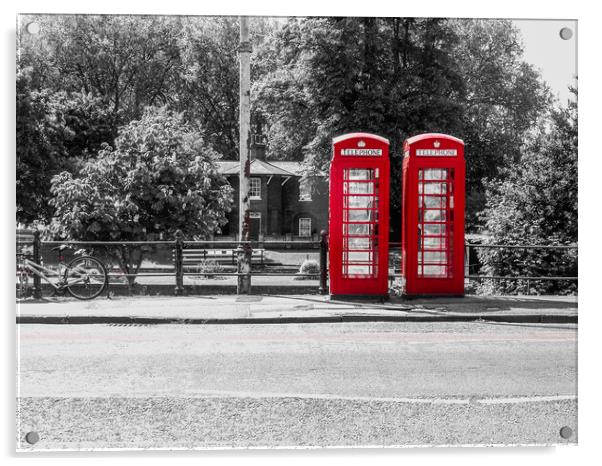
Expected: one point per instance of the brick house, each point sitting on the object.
(284, 206)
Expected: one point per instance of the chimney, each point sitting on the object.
(258, 146)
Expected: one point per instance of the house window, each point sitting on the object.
(255, 188)
(304, 190)
(305, 226)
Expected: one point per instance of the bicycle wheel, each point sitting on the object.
(85, 277)
(22, 286)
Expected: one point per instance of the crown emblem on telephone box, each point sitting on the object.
(436, 144)
(361, 144)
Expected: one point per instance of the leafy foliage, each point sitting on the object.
(208, 84)
(313, 78)
(309, 266)
(505, 99)
(536, 203)
(209, 267)
(85, 76)
(159, 178)
(398, 77)
(131, 61)
(56, 131)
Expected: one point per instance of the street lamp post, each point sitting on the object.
(244, 247)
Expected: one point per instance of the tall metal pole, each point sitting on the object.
(244, 247)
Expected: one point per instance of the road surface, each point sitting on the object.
(181, 386)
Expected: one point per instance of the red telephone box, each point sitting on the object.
(358, 251)
(432, 239)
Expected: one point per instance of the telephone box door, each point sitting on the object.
(359, 215)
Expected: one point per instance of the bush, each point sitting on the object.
(536, 203)
(210, 266)
(528, 262)
(309, 266)
(160, 177)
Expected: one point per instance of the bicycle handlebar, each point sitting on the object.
(61, 248)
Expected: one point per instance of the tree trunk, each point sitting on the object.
(396, 48)
(129, 264)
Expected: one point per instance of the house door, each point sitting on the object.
(275, 228)
(255, 225)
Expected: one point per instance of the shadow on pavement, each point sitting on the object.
(492, 303)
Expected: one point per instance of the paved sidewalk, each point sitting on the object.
(231, 309)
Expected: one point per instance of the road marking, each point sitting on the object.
(526, 399)
(325, 396)
(122, 333)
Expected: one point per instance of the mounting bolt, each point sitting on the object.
(566, 432)
(566, 33)
(33, 28)
(32, 437)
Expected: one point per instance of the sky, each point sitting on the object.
(555, 58)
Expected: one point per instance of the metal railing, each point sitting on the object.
(526, 278)
(180, 246)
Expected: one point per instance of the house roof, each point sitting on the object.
(261, 167)
(292, 167)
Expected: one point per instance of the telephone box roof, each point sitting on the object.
(344, 137)
(422, 137)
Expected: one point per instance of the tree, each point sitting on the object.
(55, 132)
(503, 102)
(160, 177)
(35, 156)
(398, 77)
(131, 61)
(84, 76)
(207, 88)
(101, 71)
(313, 78)
(536, 203)
(208, 84)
